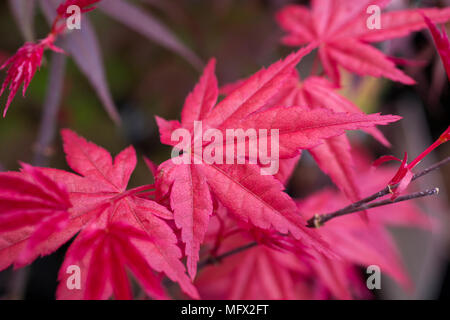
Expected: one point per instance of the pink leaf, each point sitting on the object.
(34, 209)
(192, 205)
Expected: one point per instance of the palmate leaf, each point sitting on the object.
(107, 214)
(334, 155)
(253, 198)
(32, 208)
(103, 188)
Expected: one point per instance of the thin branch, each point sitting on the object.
(324, 218)
(217, 259)
(435, 166)
(317, 221)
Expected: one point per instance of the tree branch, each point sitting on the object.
(319, 220)
(217, 259)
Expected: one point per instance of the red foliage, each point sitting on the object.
(21, 68)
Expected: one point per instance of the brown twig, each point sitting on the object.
(320, 220)
(217, 259)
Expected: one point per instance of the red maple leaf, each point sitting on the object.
(32, 208)
(247, 194)
(334, 155)
(341, 29)
(103, 253)
(112, 217)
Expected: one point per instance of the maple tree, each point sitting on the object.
(226, 229)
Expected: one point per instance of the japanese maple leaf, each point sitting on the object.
(247, 194)
(103, 252)
(442, 44)
(341, 28)
(99, 193)
(23, 65)
(334, 155)
(31, 204)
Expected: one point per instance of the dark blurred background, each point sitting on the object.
(146, 79)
